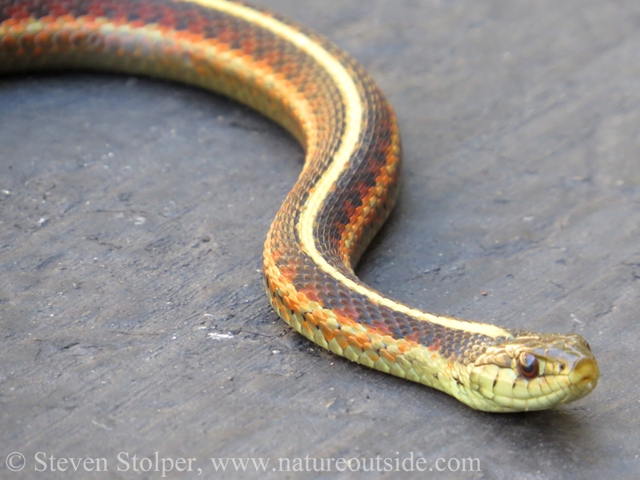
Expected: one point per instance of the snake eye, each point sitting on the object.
(528, 365)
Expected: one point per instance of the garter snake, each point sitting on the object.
(347, 187)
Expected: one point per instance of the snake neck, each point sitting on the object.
(349, 182)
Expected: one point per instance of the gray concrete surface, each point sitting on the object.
(133, 319)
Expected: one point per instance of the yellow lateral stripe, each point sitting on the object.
(354, 110)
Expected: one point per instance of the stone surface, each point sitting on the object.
(132, 217)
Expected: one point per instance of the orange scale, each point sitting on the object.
(304, 301)
(247, 57)
(119, 21)
(342, 341)
(385, 353)
(166, 30)
(373, 356)
(311, 319)
(90, 23)
(306, 328)
(47, 19)
(276, 286)
(10, 22)
(355, 344)
(77, 37)
(183, 35)
(196, 39)
(8, 43)
(371, 190)
(212, 42)
(294, 302)
(327, 333)
(301, 296)
(363, 338)
(279, 77)
(262, 65)
(16, 29)
(287, 303)
(322, 317)
(365, 204)
(343, 319)
(61, 38)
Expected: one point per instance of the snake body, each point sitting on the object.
(345, 192)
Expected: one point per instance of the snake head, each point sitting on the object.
(533, 372)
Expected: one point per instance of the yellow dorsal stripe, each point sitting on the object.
(354, 111)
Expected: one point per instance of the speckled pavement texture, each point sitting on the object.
(132, 217)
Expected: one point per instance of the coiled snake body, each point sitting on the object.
(345, 192)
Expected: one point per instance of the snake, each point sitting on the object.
(347, 187)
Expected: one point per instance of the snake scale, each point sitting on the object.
(345, 192)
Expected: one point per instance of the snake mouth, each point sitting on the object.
(584, 377)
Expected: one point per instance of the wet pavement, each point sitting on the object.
(133, 213)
